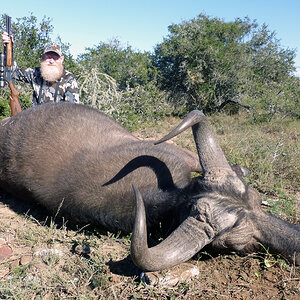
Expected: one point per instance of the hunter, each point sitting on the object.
(50, 82)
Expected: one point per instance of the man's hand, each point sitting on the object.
(6, 38)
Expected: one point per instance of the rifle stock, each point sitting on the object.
(9, 54)
(15, 106)
(14, 102)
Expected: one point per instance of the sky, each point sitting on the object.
(142, 24)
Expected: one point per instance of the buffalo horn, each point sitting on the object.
(211, 156)
(188, 239)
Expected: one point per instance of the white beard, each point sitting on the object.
(51, 73)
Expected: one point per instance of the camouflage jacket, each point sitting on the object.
(65, 89)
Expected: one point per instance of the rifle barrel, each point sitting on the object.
(8, 24)
(9, 46)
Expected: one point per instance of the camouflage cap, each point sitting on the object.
(52, 47)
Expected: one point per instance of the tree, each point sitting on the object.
(128, 67)
(207, 61)
(30, 38)
(122, 83)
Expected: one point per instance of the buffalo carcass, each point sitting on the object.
(77, 159)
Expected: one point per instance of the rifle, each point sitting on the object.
(6, 70)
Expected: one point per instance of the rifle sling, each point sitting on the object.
(40, 93)
(56, 89)
(55, 93)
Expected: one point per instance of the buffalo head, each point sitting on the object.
(223, 212)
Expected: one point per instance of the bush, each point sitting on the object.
(129, 106)
(207, 61)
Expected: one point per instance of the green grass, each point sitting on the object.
(269, 150)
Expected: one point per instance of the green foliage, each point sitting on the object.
(272, 98)
(140, 104)
(128, 67)
(30, 38)
(4, 105)
(207, 61)
(122, 83)
(129, 106)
